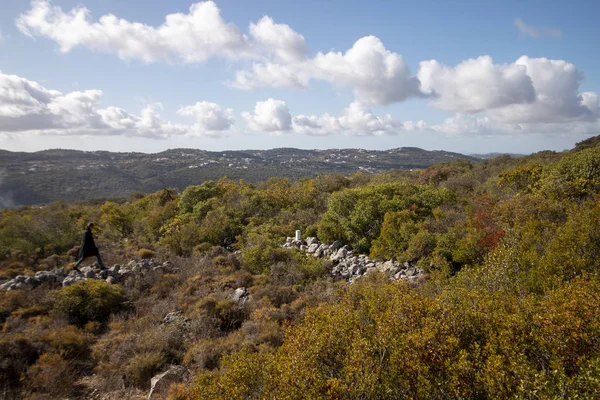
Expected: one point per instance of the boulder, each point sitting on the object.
(312, 247)
(312, 240)
(336, 245)
(73, 278)
(240, 296)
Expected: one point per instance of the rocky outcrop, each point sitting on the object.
(350, 266)
(114, 274)
(27, 282)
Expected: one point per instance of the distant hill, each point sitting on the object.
(45, 176)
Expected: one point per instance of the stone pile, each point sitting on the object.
(350, 266)
(114, 274)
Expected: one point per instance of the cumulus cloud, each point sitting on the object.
(375, 74)
(286, 44)
(536, 32)
(355, 120)
(269, 116)
(475, 85)
(192, 37)
(530, 90)
(556, 84)
(209, 116)
(26, 106)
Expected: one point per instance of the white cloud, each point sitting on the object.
(470, 125)
(375, 74)
(269, 116)
(475, 85)
(536, 32)
(192, 37)
(27, 107)
(273, 75)
(209, 116)
(530, 90)
(556, 84)
(356, 120)
(286, 44)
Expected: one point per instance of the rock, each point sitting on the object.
(7, 285)
(312, 240)
(412, 271)
(131, 264)
(90, 275)
(115, 268)
(31, 281)
(158, 268)
(303, 247)
(46, 276)
(319, 252)
(312, 247)
(105, 273)
(159, 384)
(400, 275)
(72, 278)
(335, 245)
(111, 280)
(240, 296)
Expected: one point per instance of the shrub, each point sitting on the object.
(70, 343)
(90, 300)
(17, 352)
(52, 375)
(145, 254)
(142, 367)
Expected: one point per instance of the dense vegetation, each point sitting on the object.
(510, 307)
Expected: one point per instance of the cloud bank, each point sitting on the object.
(26, 106)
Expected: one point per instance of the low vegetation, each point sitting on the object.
(510, 307)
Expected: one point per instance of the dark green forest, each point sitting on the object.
(509, 307)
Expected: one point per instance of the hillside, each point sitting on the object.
(46, 176)
(461, 280)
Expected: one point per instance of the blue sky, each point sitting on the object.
(508, 76)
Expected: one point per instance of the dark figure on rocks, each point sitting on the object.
(88, 248)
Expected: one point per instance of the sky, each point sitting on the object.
(468, 76)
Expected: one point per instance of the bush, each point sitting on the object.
(90, 300)
(145, 254)
(142, 367)
(52, 375)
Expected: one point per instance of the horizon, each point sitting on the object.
(341, 74)
(269, 149)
